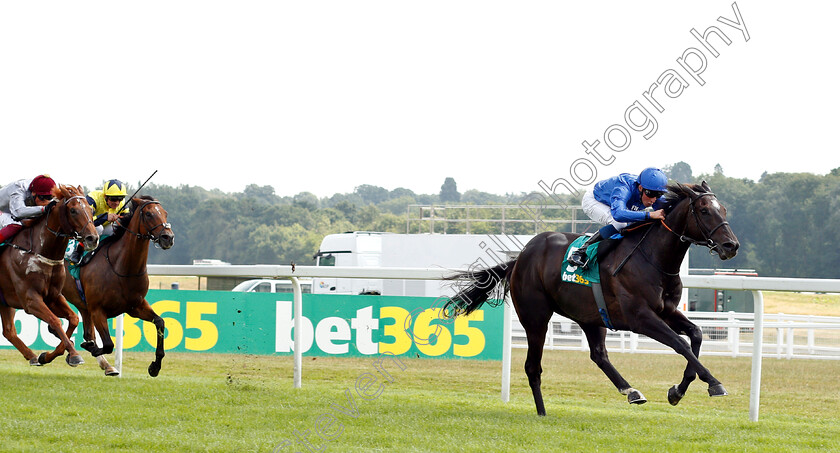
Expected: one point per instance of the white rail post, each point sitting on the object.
(297, 308)
(118, 345)
(758, 339)
(506, 352)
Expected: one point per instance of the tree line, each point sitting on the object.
(788, 224)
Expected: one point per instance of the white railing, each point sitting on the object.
(724, 334)
(755, 284)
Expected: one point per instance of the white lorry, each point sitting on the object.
(374, 249)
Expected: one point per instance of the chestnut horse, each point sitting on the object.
(115, 281)
(32, 274)
(640, 281)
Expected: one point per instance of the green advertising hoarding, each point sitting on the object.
(332, 325)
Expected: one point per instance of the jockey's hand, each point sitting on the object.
(112, 217)
(658, 215)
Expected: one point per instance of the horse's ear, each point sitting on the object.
(705, 186)
(687, 190)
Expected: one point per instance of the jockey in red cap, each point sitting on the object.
(23, 199)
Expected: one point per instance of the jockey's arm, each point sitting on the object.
(618, 207)
(18, 208)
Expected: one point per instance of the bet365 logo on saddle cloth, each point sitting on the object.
(574, 274)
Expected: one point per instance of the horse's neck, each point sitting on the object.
(45, 240)
(131, 253)
(668, 248)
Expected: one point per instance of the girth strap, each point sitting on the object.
(80, 290)
(602, 304)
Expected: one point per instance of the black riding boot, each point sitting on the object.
(578, 257)
(76, 256)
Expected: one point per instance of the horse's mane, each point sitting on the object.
(678, 192)
(62, 191)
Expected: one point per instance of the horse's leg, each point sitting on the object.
(649, 324)
(533, 363)
(681, 325)
(144, 311)
(534, 314)
(62, 310)
(100, 323)
(8, 316)
(90, 337)
(596, 335)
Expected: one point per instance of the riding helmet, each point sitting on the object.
(653, 179)
(41, 185)
(114, 188)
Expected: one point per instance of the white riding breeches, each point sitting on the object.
(598, 211)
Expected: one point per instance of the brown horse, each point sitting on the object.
(32, 274)
(640, 281)
(115, 281)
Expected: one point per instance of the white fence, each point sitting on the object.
(755, 284)
(724, 334)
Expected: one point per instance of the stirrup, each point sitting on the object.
(576, 261)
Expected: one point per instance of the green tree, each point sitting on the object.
(679, 172)
(449, 191)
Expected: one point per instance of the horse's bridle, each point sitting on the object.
(58, 234)
(75, 234)
(150, 234)
(707, 236)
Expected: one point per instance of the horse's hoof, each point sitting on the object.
(35, 362)
(74, 360)
(154, 369)
(88, 345)
(717, 390)
(674, 395)
(636, 397)
(42, 359)
(112, 372)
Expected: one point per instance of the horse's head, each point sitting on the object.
(149, 220)
(703, 218)
(76, 215)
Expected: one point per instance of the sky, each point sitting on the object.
(325, 96)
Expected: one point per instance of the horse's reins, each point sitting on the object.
(75, 234)
(706, 242)
(707, 236)
(57, 234)
(150, 234)
(147, 236)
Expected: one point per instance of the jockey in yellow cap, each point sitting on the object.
(108, 204)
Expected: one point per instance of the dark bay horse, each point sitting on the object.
(640, 282)
(32, 271)
(115, 280)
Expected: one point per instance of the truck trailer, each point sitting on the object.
(376, 249)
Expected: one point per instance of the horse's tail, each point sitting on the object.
(478, 287)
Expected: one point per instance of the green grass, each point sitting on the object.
(247, 403)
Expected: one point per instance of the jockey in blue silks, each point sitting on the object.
(621, 200)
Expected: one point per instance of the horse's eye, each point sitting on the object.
(704, 211)
(73, 211)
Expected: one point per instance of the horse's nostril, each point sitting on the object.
(731, 246)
